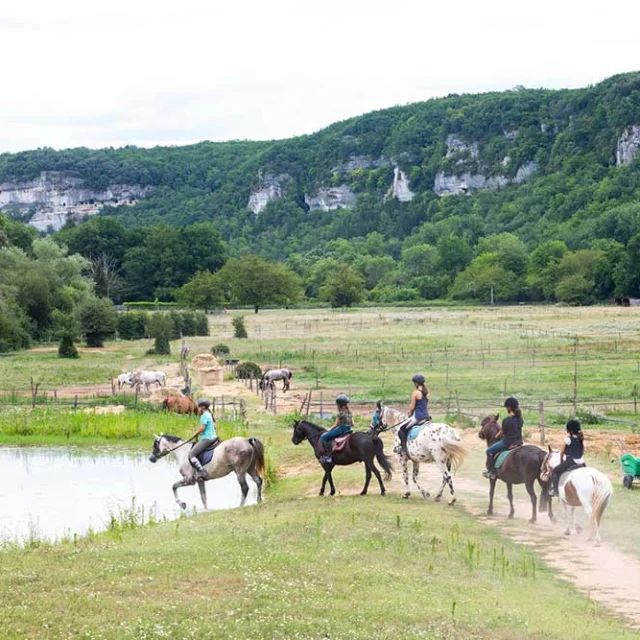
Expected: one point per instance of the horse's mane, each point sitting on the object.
(173, 439)
(390, 414)
(311, 424)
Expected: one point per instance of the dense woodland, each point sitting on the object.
(570, 233)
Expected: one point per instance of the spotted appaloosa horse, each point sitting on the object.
(523, 465)
(437, 442)
(584, 486)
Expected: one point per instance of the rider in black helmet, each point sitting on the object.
(342, 425)
(418, 409)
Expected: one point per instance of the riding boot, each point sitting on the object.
(402, 436)
(491, 470)
(202, 474)
(554, 490)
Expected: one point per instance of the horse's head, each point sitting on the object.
(158, 448)
(377, 424)
(489, 427)
(298, 434)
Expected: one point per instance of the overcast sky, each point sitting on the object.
(146, 72)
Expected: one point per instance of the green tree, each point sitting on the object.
(251, 280)
(483, 275)
(239, 329)
(344, 288)
(98, 321)
(160, 328)
(203, 291)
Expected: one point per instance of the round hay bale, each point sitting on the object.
(210, 376)
(204, 361)
(158, 395)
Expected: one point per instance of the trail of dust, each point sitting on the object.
(609, 577)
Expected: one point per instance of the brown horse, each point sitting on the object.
(524, 464)
(180, 404)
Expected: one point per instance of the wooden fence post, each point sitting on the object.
(541, 421)
(321, 405)
(458, 409)
(75, 403)
(135, 400)
(635, 398)
(575, 388)
(113, 387)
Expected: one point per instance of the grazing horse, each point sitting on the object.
(523, 464)
(361, 447)
(148, 378)
(271, 375)
(124, 378)
(584, 486)
(241, 455)
(180, 404)
(436, 442)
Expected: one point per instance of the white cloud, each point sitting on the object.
(141, 72)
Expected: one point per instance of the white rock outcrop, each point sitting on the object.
(456, 146)
(400, 188)
(628, 145)
(331, 198)
(270, 188)
(361, 162)
(448, 185)
(56, 197)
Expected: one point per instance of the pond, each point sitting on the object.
(55, 492)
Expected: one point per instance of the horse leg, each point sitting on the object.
(176, 486)
(242, 479)
(367, 470)
(576, 526)
(448, 478)
(415, 475)
(492, 490)
(203, 493)
(376, 473)
(510, 497)
(255, 476)
(324, 481)
(534, 501)
(405, 474)
(570, 519)
(330, 478)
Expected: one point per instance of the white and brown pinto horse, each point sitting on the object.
(437, 442)
(271, 375)
(582, 486)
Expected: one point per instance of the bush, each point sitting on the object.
(98, 320)
(132, 325)
(239, 330)
(160, 327)
(188, 324)
(220, 350)
(67, 349)
(248, 370)
(201, 323)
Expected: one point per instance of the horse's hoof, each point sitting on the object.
(532, 521)
(426, 495)
(553, 519)
(490, 512)
(597, 544)
(183, 505)
(363, 493)
(510, 517)
(567, 532)
(383, 493)
(406, 495)
(437, 498)
(452, 502)
(578, 529)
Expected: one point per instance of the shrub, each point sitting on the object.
(239, 330)
(67, 349)
(220, 350)
(201, 323)
(248, 370)
(132, 325)
(98, 320)
(160, 327)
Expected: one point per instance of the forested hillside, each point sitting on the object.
(534, 193)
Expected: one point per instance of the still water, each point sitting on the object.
(52, 492)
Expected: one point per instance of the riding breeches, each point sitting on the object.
(496, 447)
(567, 464)
(199, 447)
(403, 430)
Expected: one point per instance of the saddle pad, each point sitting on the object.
(206, 456)
(340, 443)
(414, 432)
(502, 456)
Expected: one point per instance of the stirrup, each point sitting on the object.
(202, 474)
(490, 474)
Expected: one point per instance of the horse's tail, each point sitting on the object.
(456, 452)
(383, 460)
(602, 492)
(258, 449)
(165, 404)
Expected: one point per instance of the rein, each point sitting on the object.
(168, 451)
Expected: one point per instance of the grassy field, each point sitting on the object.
(346, 567)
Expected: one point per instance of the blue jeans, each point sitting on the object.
(492, 450)
(332, 434)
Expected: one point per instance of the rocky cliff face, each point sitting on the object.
(55, 197)
(269, 188)
(330, 198)
(400, 188)
(628, 145)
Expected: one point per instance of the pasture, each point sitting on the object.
(346, 567)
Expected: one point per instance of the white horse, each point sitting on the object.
(584, 486)
(148, 378)
(241, 455)
(437, 442)
(271, 375)
(124, 378)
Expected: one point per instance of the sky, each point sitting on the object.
(98, 74)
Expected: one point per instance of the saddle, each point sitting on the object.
(501, 456)
(340, 443)
(206, 456)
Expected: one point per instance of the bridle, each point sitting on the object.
(168, 451)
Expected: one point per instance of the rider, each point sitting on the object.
(207, 433)
(418, 410)
(572, 452)
(509, 435)
(342, 426)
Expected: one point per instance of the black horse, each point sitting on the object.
(522, 465)
(361, 447)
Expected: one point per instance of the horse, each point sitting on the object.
(584, 486)
(148, 378)
(124, 378)
(524, 464)
(271, 375)
(180, 404)
(241, 455)
(361, 447)
(437, 442)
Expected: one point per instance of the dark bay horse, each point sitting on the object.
(361, 447)
(524, 465)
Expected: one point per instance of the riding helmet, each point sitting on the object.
(203, 402)
(573, 426)
(418, 379)
(511, 403)
(343, 400)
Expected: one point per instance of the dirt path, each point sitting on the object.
(608, 577)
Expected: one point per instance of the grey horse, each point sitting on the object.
(271, 375)
(240, 455)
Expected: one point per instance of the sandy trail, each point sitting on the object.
(609, 577)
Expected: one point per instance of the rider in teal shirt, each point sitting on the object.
(207, 433)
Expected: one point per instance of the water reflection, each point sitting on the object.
(52, 492)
